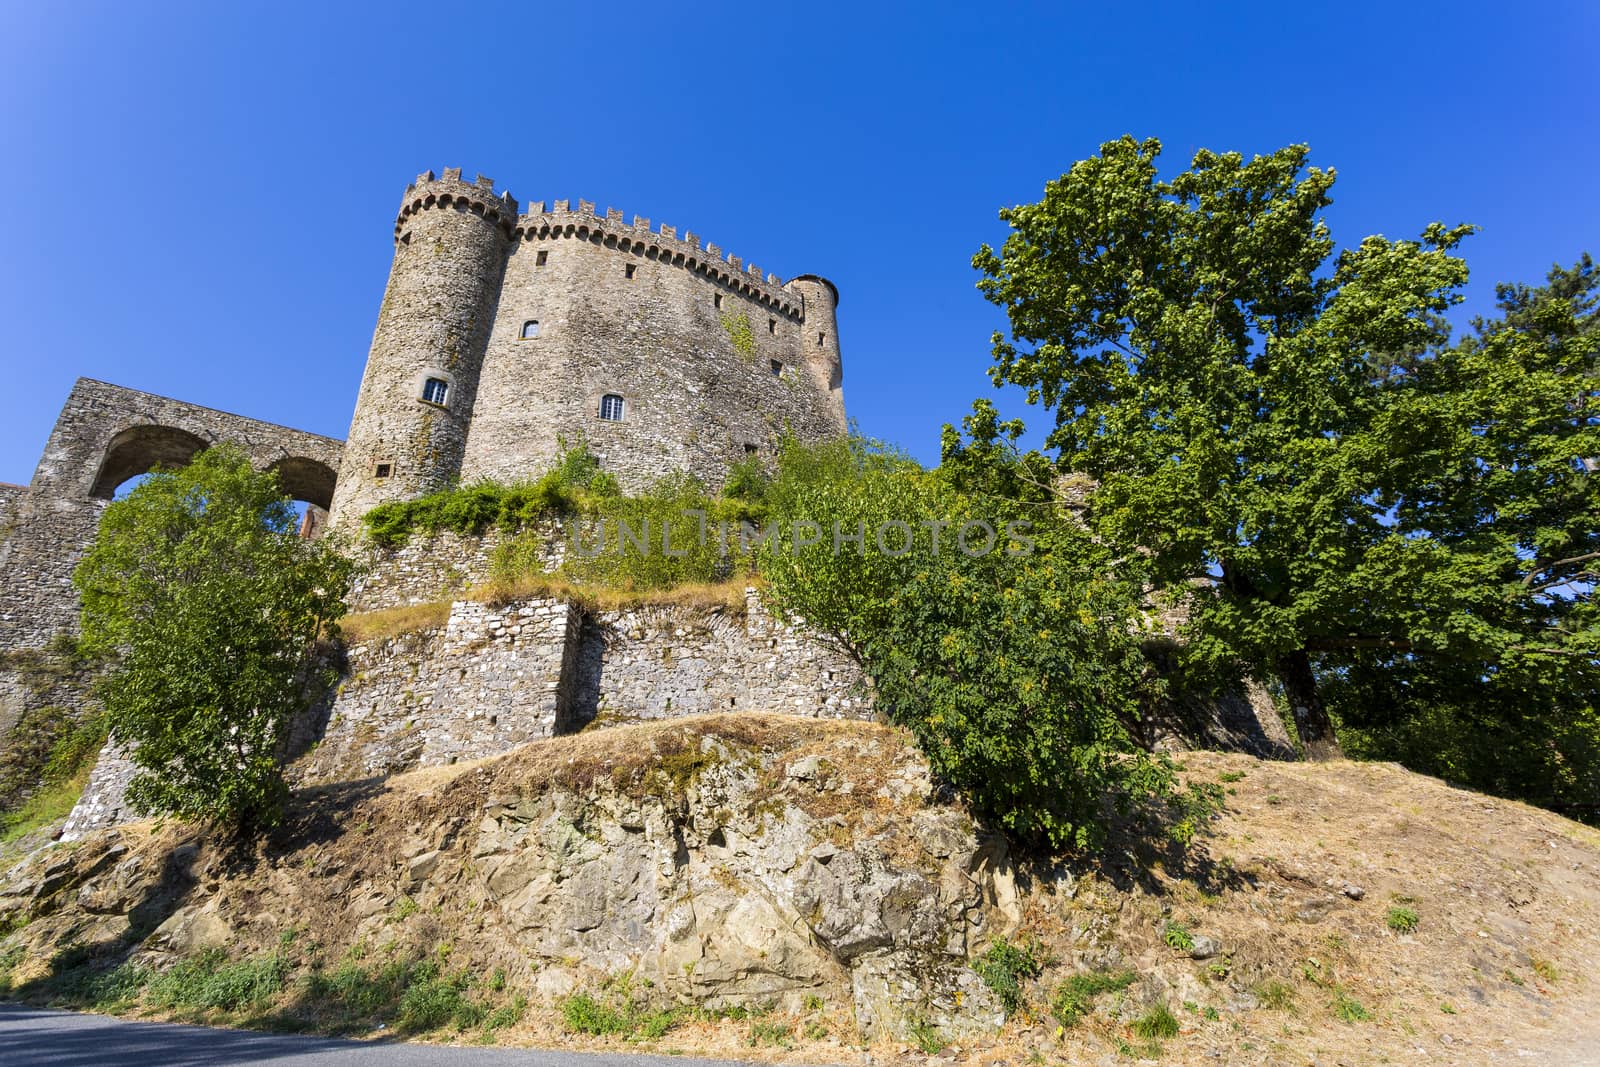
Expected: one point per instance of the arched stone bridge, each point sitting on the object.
(105, 435)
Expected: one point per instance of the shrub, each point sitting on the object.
(1402, 920)
(1177, 936)
(1018, 671)
(1003, 968)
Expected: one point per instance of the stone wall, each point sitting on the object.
(493, 678)
(489, 680)
(626, 311)
(428, 568)
(660, 662)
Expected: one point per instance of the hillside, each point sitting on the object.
(778, 888)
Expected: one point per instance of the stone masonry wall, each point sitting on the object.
(496, 677)
(623, 310)
(428, 568)
(490, 680)
(661, 662)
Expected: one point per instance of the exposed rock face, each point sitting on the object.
(714, 896)
(772, 861)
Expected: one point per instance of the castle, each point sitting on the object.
(502, 335)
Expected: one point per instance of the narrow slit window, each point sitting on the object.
(777, 368)
(611, 407)
(716, 301)
(435, 390)
(772, 325)
(821, 337)
(530, 329)
(541, 258)
(628, 271)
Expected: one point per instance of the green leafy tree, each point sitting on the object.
(1016, 668)
(1285, 431)
(207, 606)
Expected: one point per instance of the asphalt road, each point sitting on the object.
(33, 1037)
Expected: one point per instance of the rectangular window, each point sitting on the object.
(382, 470)
(716, 301)
(772, 325)
(777, 368)
(628, 271)
(539, 260)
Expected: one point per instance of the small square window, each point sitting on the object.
(540, 259)
(382, 470)
(777, 368)
(435, 390)
(628, 271)
(750, 450)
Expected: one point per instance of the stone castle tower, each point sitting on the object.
(503, 334)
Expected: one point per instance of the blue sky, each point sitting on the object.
(202, 194)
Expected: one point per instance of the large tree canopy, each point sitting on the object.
(206, 605)
(1287, 432)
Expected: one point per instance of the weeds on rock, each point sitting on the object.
(1003, 968)
(1076, 996)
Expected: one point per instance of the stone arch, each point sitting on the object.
(140, 449)
(306, 479)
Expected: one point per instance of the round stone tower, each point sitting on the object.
(409, 430)
(820, 341)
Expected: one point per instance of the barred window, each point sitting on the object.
(611, 407)
(434, 390)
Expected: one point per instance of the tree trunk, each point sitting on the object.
(1310, 714)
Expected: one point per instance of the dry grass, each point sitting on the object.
(726, 596)
(391, 622)
(1498, 970)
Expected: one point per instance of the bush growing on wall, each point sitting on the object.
(1018, 670)
(571, 484)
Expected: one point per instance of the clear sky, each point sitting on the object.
(202, 194)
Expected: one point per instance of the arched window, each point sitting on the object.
(530, 329)
(434, 390)
(611, 407)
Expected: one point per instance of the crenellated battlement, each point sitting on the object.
(451, 190)
(561, 220)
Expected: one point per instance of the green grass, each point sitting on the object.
(771, 1032)
(1075, 997)
(1156, 1023)
(50, 803)
(926, 1037)
(1275, 995)
(208, 981)
(1402, 920)
(585, 1014)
